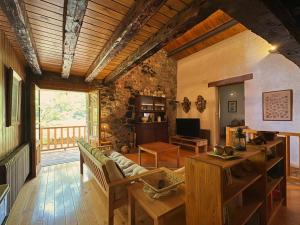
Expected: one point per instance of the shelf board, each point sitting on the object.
(204, 157)
(276, 208)
(239, 185)
(272, 162)
(246, 212)
(273, 184)
(269, 144)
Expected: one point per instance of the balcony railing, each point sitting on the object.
(52, 138)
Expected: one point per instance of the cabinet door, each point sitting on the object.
(161, 132)
(145, 133)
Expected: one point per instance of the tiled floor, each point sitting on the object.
(59, 156)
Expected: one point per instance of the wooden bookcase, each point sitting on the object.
(274, 174)
(236, 192)
(152, 130)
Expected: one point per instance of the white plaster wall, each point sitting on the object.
(241, 54)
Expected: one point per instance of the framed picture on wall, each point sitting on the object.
(232, 106)
(13, 85)
(277, 105)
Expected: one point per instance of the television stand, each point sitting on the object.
(200, 145)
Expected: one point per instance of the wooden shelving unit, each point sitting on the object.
(234, 192)
(274, 173)
(153, 130)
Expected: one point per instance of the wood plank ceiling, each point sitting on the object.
(102, 17)
(181, 47)
(10, 34)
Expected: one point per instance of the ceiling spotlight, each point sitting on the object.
(273, 49)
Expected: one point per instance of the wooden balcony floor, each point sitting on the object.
(59, 156)
(60, 196)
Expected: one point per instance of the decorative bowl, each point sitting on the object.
(162, 181)
(219, 150)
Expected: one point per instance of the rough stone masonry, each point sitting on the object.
(118, 100)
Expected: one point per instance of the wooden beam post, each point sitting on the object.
(73, 21)
(135, 19)
(182, 22)
(16, 14)
(213, 32)
(54, 81)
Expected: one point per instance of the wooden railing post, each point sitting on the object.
(84, 133)
(48, 138)
(61, 137)
(68, 136)
(73, 143)
(56, 143)
(41, 138)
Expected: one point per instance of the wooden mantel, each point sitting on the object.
(232, 80)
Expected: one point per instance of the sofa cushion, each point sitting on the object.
(138, 170)
(126, 164)
(114, 155)
(128, 171)
(112, 170)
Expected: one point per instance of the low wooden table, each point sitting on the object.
(156, 148)
(157, 209)
(196, 143)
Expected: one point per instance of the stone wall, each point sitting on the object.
(118, 101)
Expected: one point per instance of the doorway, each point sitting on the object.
(62, 119)
(231, 108)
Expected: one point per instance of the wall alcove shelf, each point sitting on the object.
(245, 191)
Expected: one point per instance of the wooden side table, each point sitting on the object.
(157, 148)
(156, 209)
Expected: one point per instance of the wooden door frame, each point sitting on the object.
(216, 85)
(30, 131)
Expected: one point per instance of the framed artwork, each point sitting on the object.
(277, 105)
(13, 85)
(232, 106)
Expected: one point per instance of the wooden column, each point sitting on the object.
(288, 160)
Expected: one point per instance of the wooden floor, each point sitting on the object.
(59, 195)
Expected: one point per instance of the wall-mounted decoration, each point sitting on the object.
(12, 96)
(278, 105)
(186, 104)
(232, 106)
(200, 103)
(146, 69)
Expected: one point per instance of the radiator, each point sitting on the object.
(14, 170)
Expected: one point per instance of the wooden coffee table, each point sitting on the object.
(157, 148)
(157, 209)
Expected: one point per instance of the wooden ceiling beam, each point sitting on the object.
(17, 16)
(72, 22)
(132, 23)
(55, 81)
(178, 25)
(205, 36)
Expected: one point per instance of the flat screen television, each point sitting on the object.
(188, 127)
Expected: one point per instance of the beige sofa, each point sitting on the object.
(113, 172)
